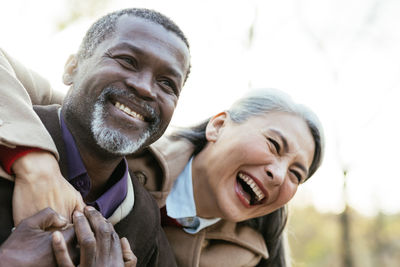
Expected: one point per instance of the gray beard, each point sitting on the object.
(112, 140)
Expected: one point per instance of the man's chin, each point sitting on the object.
(116, 143)
(115, 140)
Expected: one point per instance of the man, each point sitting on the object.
(125, 82)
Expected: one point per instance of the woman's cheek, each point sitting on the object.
(286, 193)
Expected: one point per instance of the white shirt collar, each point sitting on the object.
(180, 203)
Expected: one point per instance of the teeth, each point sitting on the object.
(128, 111)
(257, 191)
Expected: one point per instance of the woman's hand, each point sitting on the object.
(39, 184)
(98, 242)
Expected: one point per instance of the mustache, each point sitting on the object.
(109, 91)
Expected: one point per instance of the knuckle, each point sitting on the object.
(88, 242)
(93, 215)
(115, 236)
(106, 229)
(49, 212)
(132, 262)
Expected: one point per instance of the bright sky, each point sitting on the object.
(340, 57)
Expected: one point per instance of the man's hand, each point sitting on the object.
(30, 244)
(130, 259)
(39, 184)
(99, 247)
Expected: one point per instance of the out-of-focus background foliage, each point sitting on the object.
(340, 57)
(318, 239)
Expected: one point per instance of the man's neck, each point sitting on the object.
(99, 170)
(99, 163)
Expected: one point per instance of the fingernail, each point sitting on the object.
(89, 208)
(77, 213)
(57, 236)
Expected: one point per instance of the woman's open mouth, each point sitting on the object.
(248, 190)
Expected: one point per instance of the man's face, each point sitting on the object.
(126, 93)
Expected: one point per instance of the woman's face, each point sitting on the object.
(252, 168)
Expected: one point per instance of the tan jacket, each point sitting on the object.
(222, 244)
(19, 88)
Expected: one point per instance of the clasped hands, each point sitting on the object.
(47, 239)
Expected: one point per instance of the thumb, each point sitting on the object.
(45, 219)
(127, 251)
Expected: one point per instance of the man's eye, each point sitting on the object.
(169, 86)
(275, 144)
(166, 83)
(127, 61)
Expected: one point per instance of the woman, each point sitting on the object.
(237, 171)
(247, 164)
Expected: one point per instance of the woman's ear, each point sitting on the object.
(69, 69)
(215, 125)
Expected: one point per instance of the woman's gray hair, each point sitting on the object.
(262, 101)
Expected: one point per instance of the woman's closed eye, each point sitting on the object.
(275, 144)
(297, 175)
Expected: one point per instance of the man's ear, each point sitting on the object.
(215, 125)
(69, 69)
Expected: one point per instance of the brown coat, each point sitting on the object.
(222, 244)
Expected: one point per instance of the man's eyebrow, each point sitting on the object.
(140, 51)
(286, 149)
(124, 45)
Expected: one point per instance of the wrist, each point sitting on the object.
(9, 155)
(36, 163)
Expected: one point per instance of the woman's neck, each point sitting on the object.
(203, 197)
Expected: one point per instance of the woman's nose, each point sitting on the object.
(275, 173)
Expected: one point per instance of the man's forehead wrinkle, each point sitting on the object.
(126, 45)
(147, 27)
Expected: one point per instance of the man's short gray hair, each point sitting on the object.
(104, 28)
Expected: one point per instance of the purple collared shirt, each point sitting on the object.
(79, 178)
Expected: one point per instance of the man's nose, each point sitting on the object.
(142, 85)
(276, 173)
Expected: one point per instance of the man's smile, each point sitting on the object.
(129, 111)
